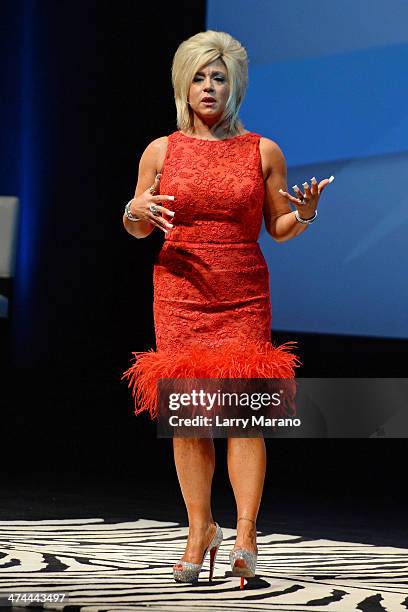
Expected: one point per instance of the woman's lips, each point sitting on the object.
(209, 101)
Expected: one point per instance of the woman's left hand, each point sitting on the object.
(306, 203)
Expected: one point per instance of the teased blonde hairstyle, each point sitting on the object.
(195, 53)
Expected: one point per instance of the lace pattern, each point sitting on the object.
(212, 308)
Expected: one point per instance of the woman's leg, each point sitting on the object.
(195, 462)
(246, 459)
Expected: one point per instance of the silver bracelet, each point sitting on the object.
(305, 221)
(129, 214)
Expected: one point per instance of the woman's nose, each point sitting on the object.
(207, 83)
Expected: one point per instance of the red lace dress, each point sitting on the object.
(212, 308)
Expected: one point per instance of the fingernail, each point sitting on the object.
(171, 213)
(295, 187)
(166, 231)
(313, 180)
(305, 184)
(171, 198)
(158, 176)
(331, 179)
(281, 190)
(170, 225)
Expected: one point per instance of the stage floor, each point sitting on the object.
(111, 546)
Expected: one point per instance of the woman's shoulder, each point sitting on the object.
(158, 144)
(268, 144)
(271, 154)
(156, 151)
(270, 149)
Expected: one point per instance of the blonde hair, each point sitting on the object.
(195, 53)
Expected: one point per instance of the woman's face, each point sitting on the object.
(211, 81)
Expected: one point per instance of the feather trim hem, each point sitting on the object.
(234, 360)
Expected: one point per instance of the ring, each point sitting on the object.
(154, 210)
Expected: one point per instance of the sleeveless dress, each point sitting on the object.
(212, 309)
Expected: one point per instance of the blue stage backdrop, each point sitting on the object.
(328, 82)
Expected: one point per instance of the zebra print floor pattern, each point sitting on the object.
(107, 566)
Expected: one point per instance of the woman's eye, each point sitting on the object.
(221, 79)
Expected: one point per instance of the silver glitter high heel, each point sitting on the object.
(190, 571)
(243, 562)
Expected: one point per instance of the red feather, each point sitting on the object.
(233, 360)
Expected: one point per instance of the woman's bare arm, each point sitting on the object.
(147, 173)
(280, 221)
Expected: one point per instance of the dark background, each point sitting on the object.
(87, 85)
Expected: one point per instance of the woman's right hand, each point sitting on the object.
(140, 206)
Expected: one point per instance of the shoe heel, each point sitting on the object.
(243, 564)
(213, 554)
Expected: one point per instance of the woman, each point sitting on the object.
(213, 181)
